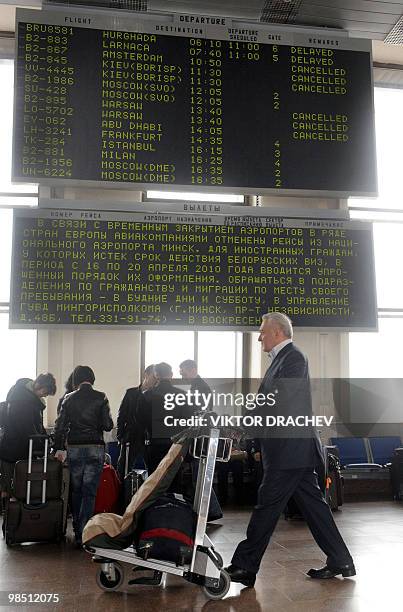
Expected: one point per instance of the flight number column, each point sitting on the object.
(47, 115)
(206, 117)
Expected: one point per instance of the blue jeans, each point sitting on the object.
(85, 464)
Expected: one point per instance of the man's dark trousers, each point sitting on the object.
(276, 489)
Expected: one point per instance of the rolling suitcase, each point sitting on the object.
(26, 521)
(107, 499)
(54, 480)
(396, 474)
(132, 480)
(131, 484)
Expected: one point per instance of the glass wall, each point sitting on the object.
(376, 354)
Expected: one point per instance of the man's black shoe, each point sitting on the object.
(330, 572)
(238, 574)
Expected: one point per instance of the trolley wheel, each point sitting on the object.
(220, 560)
(105, 583)
(221, 590)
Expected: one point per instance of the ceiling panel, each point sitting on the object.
(347, 16)
(368, 6)
(372, 19)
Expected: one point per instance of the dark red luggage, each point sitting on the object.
(108, 492)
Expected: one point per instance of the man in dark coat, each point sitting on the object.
(130, 426)
(153, 413)
(289, 464)
(188, 371)
(23, 419)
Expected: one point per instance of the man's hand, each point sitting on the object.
(257, 457)
(61, 455)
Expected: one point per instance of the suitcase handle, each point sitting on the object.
(39, 437)
(45, 464)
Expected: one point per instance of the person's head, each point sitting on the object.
(68, 385)
(149, 378)
(275, 328)
(188, 369)
(83, 374)
(44, 385)
(163, 371)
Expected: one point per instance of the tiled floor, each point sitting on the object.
(373, 532)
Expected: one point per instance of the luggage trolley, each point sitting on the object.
(206, 565)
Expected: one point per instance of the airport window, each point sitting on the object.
(169, 346)
(386, 211)
(6, 224)
(378, 355)
(218, 354)
(18, 354)
(389, 135)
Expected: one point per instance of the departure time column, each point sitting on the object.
(206, 116)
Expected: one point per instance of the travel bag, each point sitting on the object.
(34, 521)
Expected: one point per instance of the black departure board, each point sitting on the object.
(175, 270)
(191, 104)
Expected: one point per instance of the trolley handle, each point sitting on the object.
(224, 447)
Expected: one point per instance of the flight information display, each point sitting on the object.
(189, 271)
(194, 102)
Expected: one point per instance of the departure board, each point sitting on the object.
(202, 103)
(175, 270)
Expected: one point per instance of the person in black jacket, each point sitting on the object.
(83, 418)
(130, 426)
(289, 462)
(23, 418)
(154, 412)
(188, 371)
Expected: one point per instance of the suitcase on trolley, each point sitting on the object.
(132, 480)
(131, 484)
(166, 530)
(34, 521)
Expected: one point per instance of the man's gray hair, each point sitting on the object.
(281, 320)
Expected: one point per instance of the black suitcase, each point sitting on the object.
(396, 474)
(166, 530)
(131, 484)
(26, 521)
(132, 480)
(34, 522)
(53, 477)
